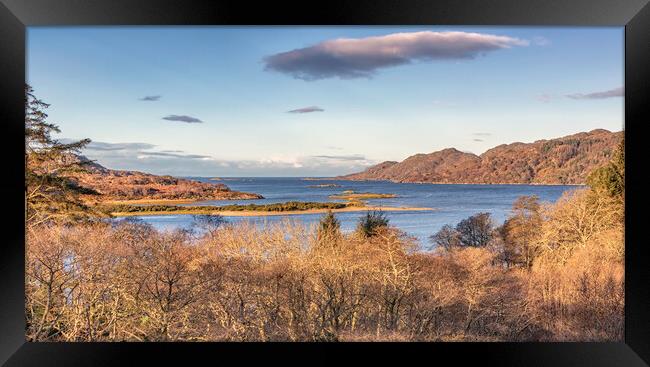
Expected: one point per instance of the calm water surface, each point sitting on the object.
(452, 203)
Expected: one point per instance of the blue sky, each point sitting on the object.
(216, 101)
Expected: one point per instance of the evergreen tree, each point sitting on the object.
(329, 229)
(371, 223)
(51, 194)
(610, 179)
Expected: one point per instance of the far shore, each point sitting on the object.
(254, 213)
(455, 183)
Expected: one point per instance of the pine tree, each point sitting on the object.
(51, 195)
(610, 179)
(371, 223)
(329, 229)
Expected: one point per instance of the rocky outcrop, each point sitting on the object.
(112, 184)
(565, 160)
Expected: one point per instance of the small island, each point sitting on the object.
(237, 210)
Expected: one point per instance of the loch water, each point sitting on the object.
(451, 203)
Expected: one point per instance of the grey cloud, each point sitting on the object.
(355, 157)
(182, 118)
(150, 98)
(98, 145)
(307, 110)
(105, 149)
(482, 134)
(348, 58)
(617, 92)
(479, 140)
(174, 155)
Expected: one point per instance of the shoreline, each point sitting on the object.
(338, 178)
(457, 183)
(167, 201)
(254, 213)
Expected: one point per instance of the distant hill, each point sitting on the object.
(133, 185)
(565, 160)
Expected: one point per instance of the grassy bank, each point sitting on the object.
(278, 207)
(288, 208)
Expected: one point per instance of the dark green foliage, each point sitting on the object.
(475, 231)
(329, 229)
(610, 179)
(207, 223)
(371, 223)
(520, 231)
(279, 207)
(447, 237)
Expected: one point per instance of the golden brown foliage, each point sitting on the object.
(577, 280)
(279, 282)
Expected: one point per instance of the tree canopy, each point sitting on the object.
(370, 223)
(51, 194)
(610, 179)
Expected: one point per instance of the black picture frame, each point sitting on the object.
(16, 15)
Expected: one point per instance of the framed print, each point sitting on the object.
(389, 179)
